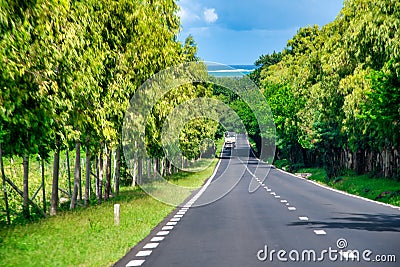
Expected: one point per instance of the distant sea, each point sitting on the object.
(229, 70)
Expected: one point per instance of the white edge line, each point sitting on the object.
(327, 187)
(340, 191)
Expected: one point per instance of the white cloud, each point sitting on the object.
(187, 15)
(210, 16)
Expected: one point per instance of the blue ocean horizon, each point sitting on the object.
(229, 70)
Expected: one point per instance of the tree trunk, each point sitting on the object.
(26, 187)
(68, 172)
(149, 167)
(43, 187)
(100, 178)
(385, 163)
(3, 176)
(80, 181)
(164, 166)
(77, 174)
(156, 167)
(87, 184)
(140, 170)
(33, 204)
(360, 162)
(107, 190)
(135, 172)
(56, 171)
(96, 181)
(117, 170)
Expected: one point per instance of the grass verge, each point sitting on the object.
(379, 189)
(88, 236)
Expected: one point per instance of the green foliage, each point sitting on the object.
(195, 137)
(263, 63)
(70, 68)
(334, 91)
(360, 185)
(382, 107)
(251, 110)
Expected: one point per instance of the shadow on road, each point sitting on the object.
(358, 221)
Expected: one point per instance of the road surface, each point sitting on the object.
(285, 221)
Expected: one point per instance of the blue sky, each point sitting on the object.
(239, 31)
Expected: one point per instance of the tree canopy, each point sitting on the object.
(334, 91)
(69, 70)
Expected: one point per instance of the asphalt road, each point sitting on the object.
(277, 221)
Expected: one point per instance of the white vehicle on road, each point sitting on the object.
(230, 139)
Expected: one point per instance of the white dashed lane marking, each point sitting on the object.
(319, 232)
(284, 201)
(151, 245)
(157, 239)
(170, 225)
(144, 253)
(163, 233)
(135, 263)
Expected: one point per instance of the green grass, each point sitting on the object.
(88, 236)
(193, 179)
(360, 185)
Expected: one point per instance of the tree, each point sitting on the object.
(340, 77)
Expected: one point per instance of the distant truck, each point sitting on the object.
(230, 139)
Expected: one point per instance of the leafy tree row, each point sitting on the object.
(335, 91)
(69, 69)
